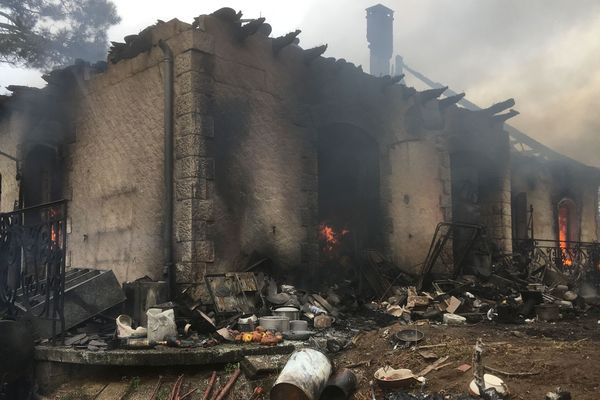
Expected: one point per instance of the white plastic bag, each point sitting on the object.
(160, 324)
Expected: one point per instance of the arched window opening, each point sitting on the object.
(567, 228)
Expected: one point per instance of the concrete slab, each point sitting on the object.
(160, 356)
(257, 366)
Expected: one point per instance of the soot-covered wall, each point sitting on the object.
(271, 115)
(545, 184)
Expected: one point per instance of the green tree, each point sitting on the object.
(51, 33)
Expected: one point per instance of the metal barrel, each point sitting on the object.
(340, 386)
(304, 376)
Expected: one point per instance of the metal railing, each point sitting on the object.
(32, 262)
(576, 260)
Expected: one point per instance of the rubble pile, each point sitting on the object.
(252, 308)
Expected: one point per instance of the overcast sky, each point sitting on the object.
(544, 53)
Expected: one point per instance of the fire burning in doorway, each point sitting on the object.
(330, 239)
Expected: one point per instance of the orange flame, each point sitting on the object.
(563, 235)
(330, 237)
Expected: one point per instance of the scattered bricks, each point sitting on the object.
(464, 368)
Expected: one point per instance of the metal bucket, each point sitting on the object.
(340, 386)
(275, 323)
(304, 376)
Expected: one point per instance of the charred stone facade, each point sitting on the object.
(272, 141)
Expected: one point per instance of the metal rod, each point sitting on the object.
(15, 159)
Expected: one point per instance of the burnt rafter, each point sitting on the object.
(450, 100)
(227, 14)
(408, 92)
(134, 45)
(428, 95)
(388, 81)
(312, 54)
(265, 29)
(250, 28)
(283, 41)
(499, 107)
(503, 117)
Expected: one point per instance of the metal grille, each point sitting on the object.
(32, 262)
(577, 260)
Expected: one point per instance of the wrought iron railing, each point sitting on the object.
(576, 260)
(32, 262)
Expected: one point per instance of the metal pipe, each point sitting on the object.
(168, 79)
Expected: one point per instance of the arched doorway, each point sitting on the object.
(568, 226)
(349, 192)
(41, 176)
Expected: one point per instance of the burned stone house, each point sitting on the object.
(201, 148)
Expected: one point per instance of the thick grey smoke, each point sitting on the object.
(544, 53)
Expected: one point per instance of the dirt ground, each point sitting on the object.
(565, 354)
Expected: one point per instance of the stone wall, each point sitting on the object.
(247, 131)
(115, 171)
(420, 199)
(248, 126)
(546, 183)
(10, 135)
